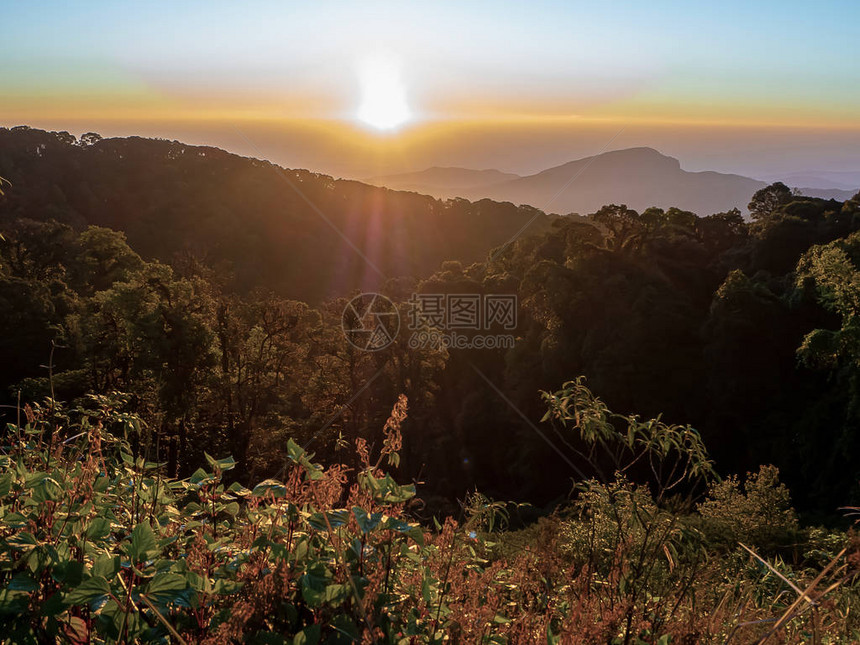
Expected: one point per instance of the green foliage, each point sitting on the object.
(107, 545)
(832, 273)
(673, 454)
(97, 545)
(767, 201)
(759, 513)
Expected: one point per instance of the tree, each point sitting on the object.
(832, 273)
(102, 258)
(767, 200)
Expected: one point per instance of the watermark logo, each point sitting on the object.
(462, 320)
(436, 321)
(370, 322)
(464, 311)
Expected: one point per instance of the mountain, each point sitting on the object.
(822, 179)
(829, 193)
(443, 182)
(637, 177)
(301, 234)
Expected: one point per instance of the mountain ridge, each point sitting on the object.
(639, 177)
(300, 234)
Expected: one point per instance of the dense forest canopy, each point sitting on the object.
(260, 225)
(203, 283)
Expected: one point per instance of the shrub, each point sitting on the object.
(758, 513)
(97, 546)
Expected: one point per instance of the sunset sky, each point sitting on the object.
(356, 89)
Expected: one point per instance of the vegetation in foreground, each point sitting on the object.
(98, 546)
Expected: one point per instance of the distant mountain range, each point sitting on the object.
(637, 177)
(821, 179)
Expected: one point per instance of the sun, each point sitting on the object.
(383, 97)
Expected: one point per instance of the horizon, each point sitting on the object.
(245, 147)
(361, 91)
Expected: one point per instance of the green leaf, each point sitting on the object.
(298, 455)
(308, 636)
(16, 520)
(269, 487)
(107, 566)
(238, 489)
(143, 543)
(23, 541)
(366, 522)
(22, 581)
(99, 528)
(88, 591)
(167, 587)
(14, 602)
(335, 518)
(346, 627)
(5, 484)
(231, 509)
(227, 463)
(70, 573)
(200, 477)
(336, 594)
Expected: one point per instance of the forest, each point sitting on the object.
(194, 451)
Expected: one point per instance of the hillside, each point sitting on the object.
(301, 234)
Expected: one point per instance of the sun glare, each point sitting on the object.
(383, 96)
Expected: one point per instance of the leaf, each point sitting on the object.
(5, 484)
(298, 455)
(99, 528)
(88, 591)
(106, 566)
(70, 573)
(143, 543)
(238, 489)
(227, 463)
(231, 509)
(76, 631)
(413, 531)
(425, 590)
(23, 541)
(344, 625)
(336, 594)
(308, 636)
(269, 487)
(366, 522)
(167, 587)
(200, 477)
(14, 602)
(16, 520)
(22, 581)
(335, 519)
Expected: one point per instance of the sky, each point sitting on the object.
(759, 88)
